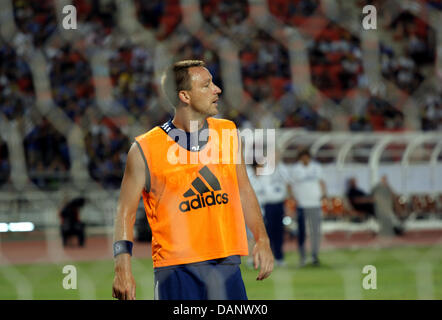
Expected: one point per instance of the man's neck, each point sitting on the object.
(188, 122)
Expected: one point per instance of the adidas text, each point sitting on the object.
(201, 202)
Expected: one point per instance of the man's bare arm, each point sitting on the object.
(133, 183)
(262, 254)
(323, 188)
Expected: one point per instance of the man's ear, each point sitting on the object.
(183, 95)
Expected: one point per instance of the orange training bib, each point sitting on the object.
(193, 205)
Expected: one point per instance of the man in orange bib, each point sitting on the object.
(191, 174)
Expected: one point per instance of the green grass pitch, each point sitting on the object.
(401, 273)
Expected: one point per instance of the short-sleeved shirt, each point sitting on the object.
(258, 185)
(306, 185)
(276, 184)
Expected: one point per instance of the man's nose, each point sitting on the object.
(217, 90)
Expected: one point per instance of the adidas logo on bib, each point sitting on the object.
(200, 200)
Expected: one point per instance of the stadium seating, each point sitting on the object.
(264, 62)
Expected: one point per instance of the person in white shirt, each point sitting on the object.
(277, 190)
(272, 189)
(309, 189)
(258, 185)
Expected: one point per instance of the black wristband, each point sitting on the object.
(122, 246)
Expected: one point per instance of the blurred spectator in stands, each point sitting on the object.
(5, 168)
(36, 18)
(384, 200)
(226, 16)
(403, 71)
(377, 115)
(417, 40)
(361, 202)
(16, 86)
(407, 70)
(71, 225)
(437, 4)
(383, 116)
(303, 116)
(293, 12)
(416, 35)
(431, 113)
(132, 76)
(100, 12)
(359, 123)
(159, 15)
(296, 113)
(309, 189)
(47, 156)
(265, 67)
(97, 19)
(106, 147)
(335, 59)
(71, 82)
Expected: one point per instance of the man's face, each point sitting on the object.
(204, 93)
(305, 159)
(352, 183)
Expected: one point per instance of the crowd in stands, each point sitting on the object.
(103, 13)
(190, 47)
(414, 48)
(293, 12)
(265, 70)
(304, 115)
(16, 87)
(97, 20)
(334, 56)
(431, 112)
(71, 82)
(436, 4)
(226, 14)
(161, 17)
(307, 16)
(335, 62)
(265, 67)
(35, 18)
(47, 156)
(106, 147)
(376, 114)
(131, 71)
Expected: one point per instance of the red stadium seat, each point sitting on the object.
(317, 70)
(337, 206)
(277, 84)
(298, 20)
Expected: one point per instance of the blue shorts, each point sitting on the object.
(218, 279)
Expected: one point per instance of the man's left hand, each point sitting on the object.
(263, 259)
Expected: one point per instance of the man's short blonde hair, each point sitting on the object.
(177, 78)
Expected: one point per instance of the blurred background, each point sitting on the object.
(367, 103)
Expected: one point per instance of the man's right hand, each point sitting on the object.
(124, 287)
